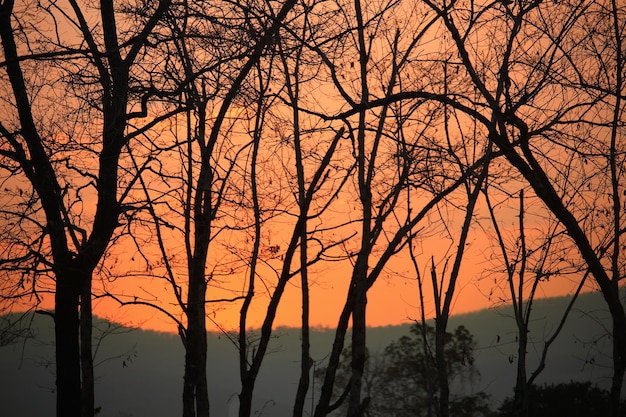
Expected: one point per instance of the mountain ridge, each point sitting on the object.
(139, 372)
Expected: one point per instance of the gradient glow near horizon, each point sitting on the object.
(392, 300)
(133, 272)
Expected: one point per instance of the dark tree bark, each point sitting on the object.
(73, 269)
(619, 318)
(536, 177)
(86, 351)
(67, 353)
(195, 389)
(202, 211)
(292, 85)
(521, 114)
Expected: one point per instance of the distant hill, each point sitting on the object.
(139, 373)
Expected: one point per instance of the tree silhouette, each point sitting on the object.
(543, 109)
(576, 399)
(42, 161)
(402, 380)
(281, 139)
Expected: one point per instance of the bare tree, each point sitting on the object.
(68, 244)
(287, 114)
(396, 150)
(529, 262)
(443, 302)
(546, 113)
(309, 186)
(216, 49)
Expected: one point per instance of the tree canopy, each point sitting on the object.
(401, 380)
(576, 399)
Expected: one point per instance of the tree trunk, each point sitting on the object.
(537, 178)
(323, 405)
(442, 367)
(195, 391)
(86, 352)
(305, 354)
(619, 338)
(245, 397)
(356, 407)
(521, 387)
(521, 384)
(67, 348)
(619, 369)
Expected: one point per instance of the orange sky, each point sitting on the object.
(392, 300)
(389, 303)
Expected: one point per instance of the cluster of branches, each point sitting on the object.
(219, 152)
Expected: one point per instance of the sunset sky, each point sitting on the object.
(394, 297)
(166, 164)
(392, 300)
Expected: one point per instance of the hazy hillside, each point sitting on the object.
(140, 373)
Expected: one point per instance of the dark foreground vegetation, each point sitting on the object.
(401, 381)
